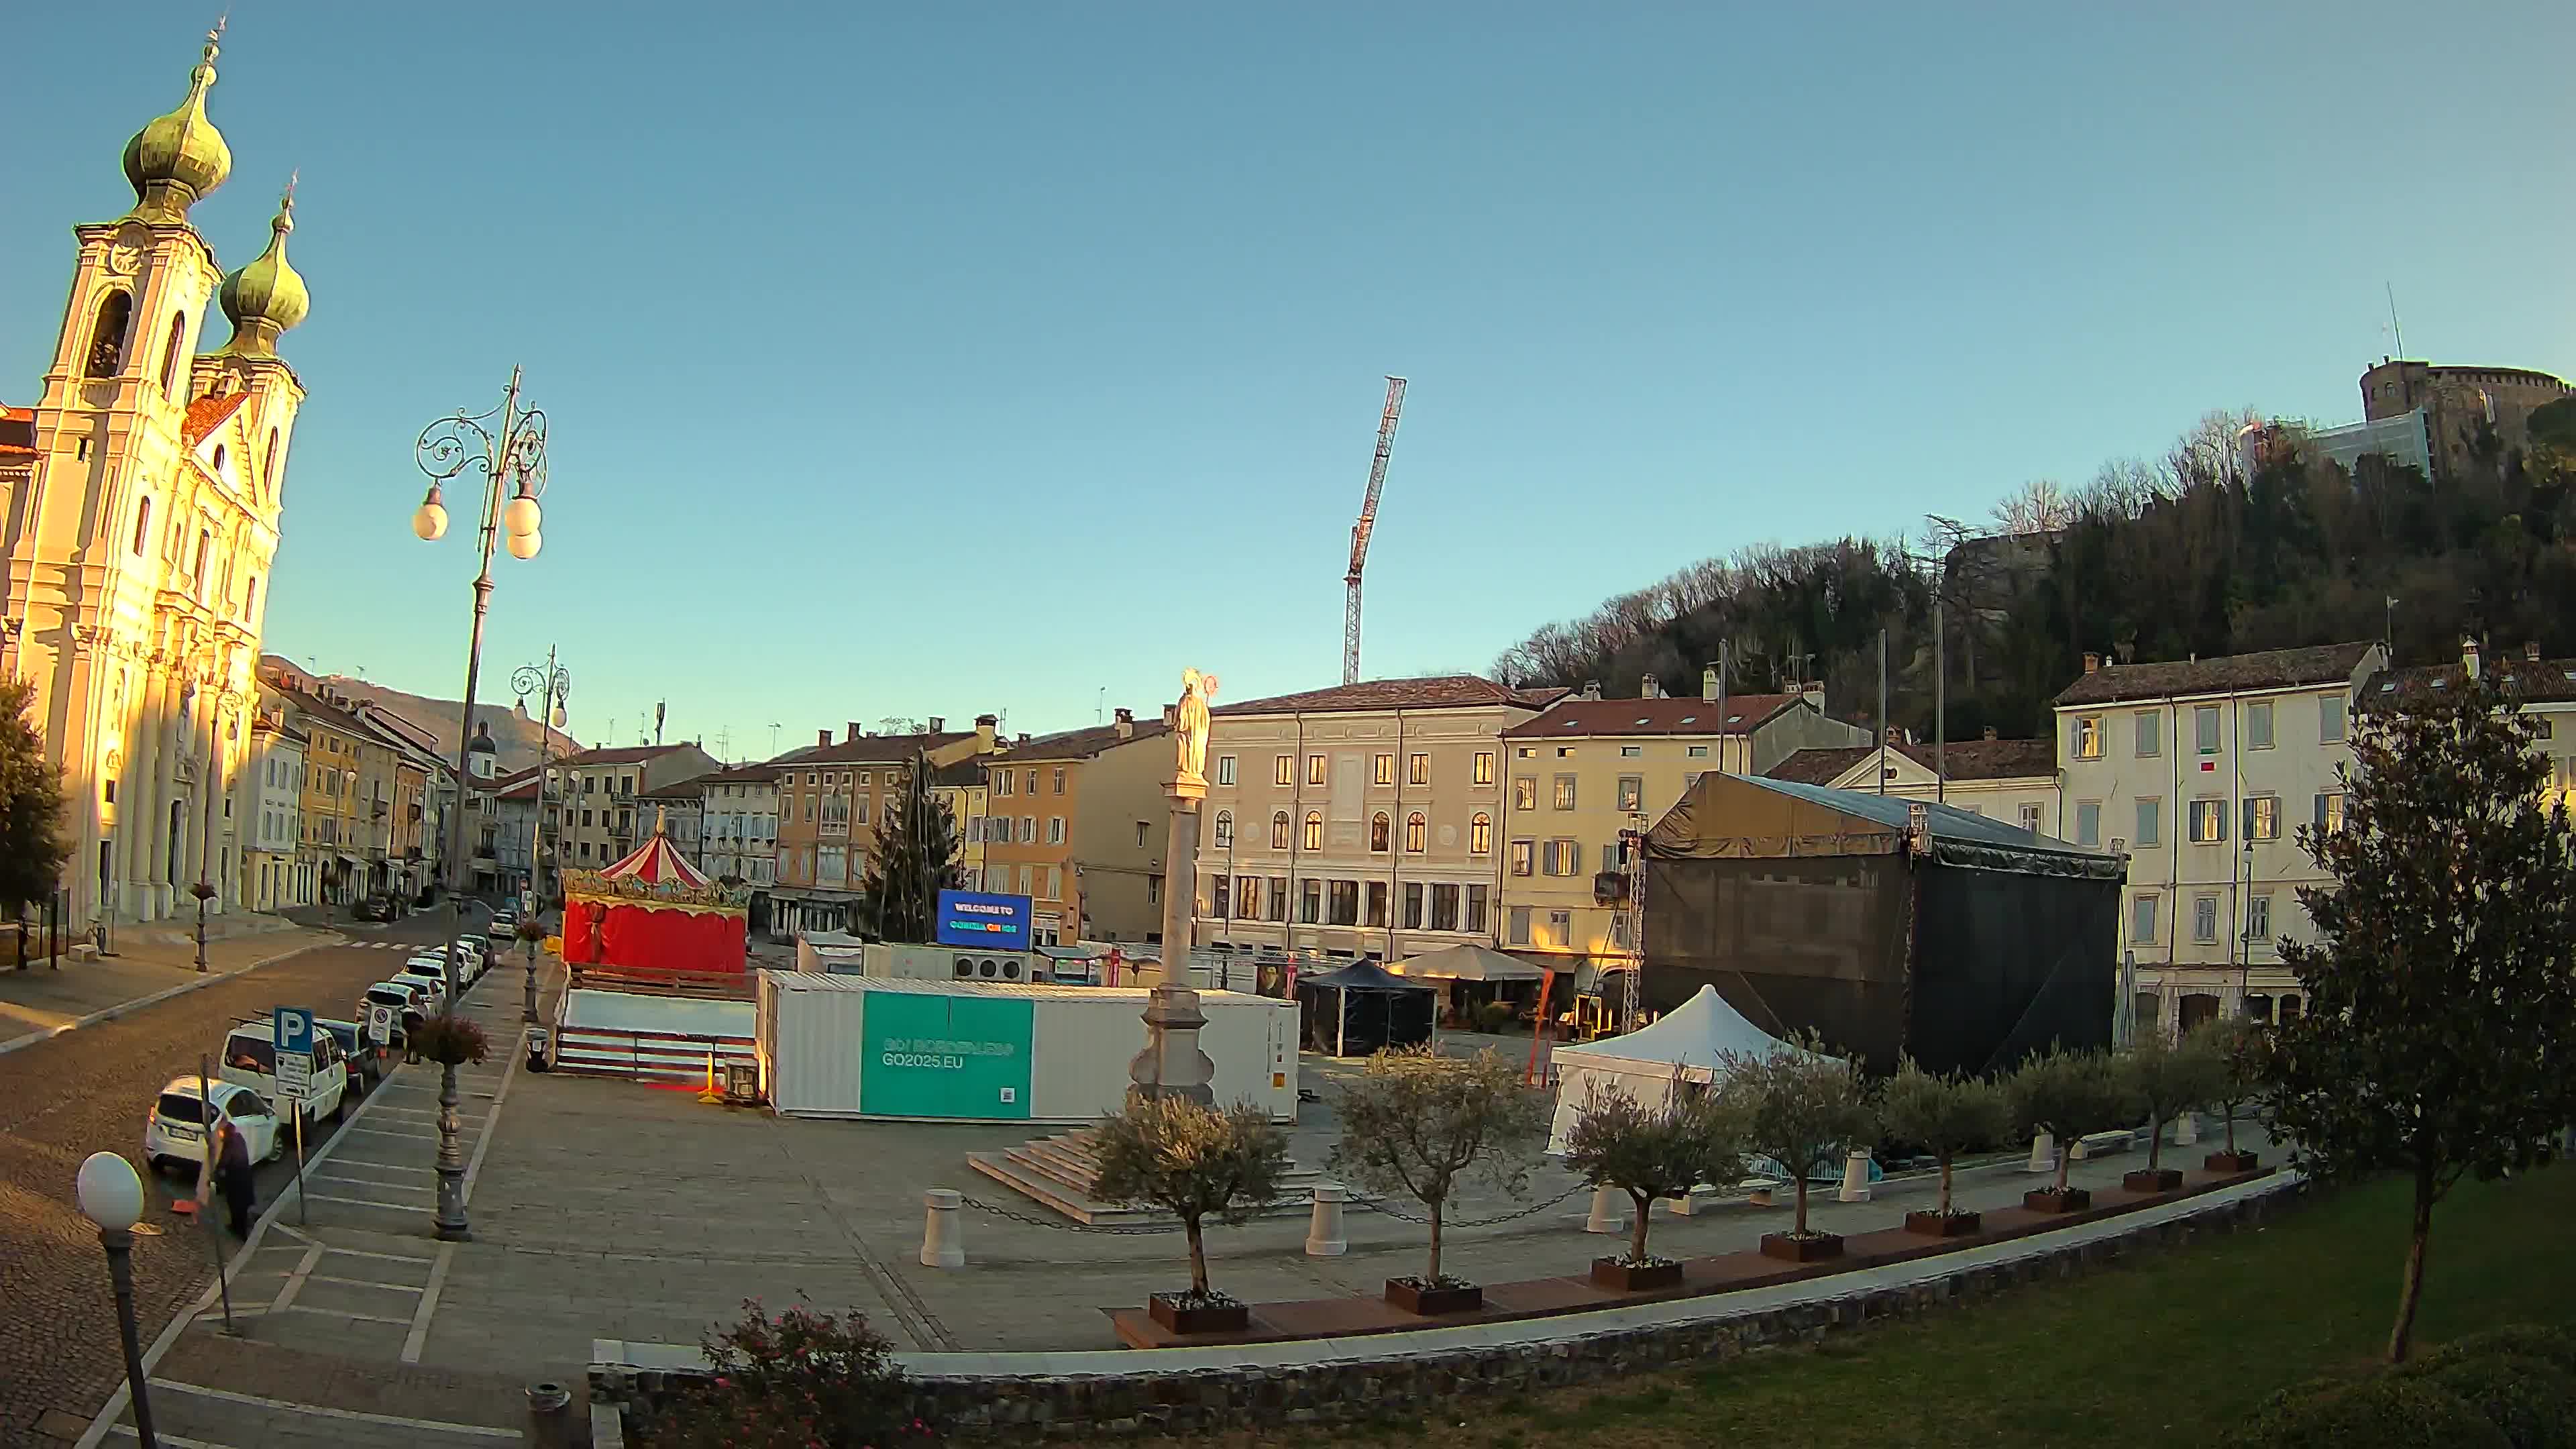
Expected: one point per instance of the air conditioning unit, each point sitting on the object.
(948, 963)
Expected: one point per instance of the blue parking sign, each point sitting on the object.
(291, 1027)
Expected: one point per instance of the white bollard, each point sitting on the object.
(2186, 1129)
(942, 1246)
(2043, 1154)
(1855, 1177)
(1606, 1217)
(1324, 1230)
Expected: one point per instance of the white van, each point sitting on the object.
(250, 1058)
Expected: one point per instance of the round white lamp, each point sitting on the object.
(430, 523)
(110, 1194)
(521, 517)
(112, 1197)
(525, 545)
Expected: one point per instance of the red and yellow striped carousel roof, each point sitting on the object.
(656, 862)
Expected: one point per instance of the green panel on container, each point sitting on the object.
(946, 1056)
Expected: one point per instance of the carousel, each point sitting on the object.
(653, 912)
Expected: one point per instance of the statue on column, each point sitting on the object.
(1190, 726)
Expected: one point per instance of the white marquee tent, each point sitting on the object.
(1689, 1040)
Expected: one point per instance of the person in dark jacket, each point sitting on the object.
(233, 1177)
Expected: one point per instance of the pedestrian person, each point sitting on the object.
(228, 1175)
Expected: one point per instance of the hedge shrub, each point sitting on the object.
(2388, 1412)
(2532, 1400)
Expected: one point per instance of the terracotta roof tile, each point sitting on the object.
(624, 755)
(1576, 718)
(1439, 691)
(1080, 744)
(209, 413)
(873, 749)
(2225, 674)
(2544, 681)
(1967, 759)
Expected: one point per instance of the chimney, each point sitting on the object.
(2531, 650)
(2469, 656)
(1126, 724)
(985, 725)
(1990, 732)
(939, 724)
(1814, 695)
(1708, 684)
(853, 728)
(1591, 689)
(822, 737)
(1649, 688)
(2092, 663)
(1023, 739)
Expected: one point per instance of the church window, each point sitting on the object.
(204, 541)
(219, 460)
(170, 355)
(107, 336)
(142, 524)
(250, 598)
(268, 465)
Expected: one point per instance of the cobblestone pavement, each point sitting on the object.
(89, 1089)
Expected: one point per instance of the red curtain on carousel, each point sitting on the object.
(581, 932)
(641, 938)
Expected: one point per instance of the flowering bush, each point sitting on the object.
(451, 1041)
(796, 1380)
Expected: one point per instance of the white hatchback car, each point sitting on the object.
(174, 1131)
(250, 1058)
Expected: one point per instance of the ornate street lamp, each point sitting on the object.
(111, 1197)
(552, 684)
(508, 444)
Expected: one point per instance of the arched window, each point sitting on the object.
(1314, 830)
(219, 460)
(107, 334)
(1279, 831)
(142, 524)
(205, 541)
(170, 354)
(268, 466)
(250, 599)
(1377, 831)
(1417, 832)
(1225, 828)
(1480, 835)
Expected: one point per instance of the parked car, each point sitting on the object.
(378, 907)
(250, 1058)
(430, 974)
(405, 998)
(504, 929)
(175, 1130)
(367, 1059)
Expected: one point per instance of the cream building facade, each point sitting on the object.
(1588, 768)
(139, 548)
(2201, 772)
(274, 876)
(1364, 820)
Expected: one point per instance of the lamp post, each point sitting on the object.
(509, 445)
(552, 683)
(111, 1196)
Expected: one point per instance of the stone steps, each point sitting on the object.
(1061, 1172)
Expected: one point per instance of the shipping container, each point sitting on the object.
(855, 1046)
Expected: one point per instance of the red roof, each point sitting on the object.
(1439, 691)
(1579, 717)
(209, 413)
(655, 862)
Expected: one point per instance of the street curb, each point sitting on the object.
(38, 1038)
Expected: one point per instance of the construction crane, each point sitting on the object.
(1360, 530)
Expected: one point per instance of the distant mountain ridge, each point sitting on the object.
(518, 736)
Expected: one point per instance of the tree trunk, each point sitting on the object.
(1802, 1204)
(2065, 1158)
(1637, 1234)
(1433, 1276)
(1198, 1255)
(1945, 1184)
(2155, 1139)
(2412, 1289)
(2230, 1109)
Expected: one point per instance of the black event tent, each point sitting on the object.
(1363, 1008)
(1889, 926)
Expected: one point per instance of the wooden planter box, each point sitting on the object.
(1412, 1297)
(1943, 1225)
(2231, 1162)
(2152, 1179)
(1815, 1248)
(2050, 1200)
(1167, 1310)
(1620, 1276)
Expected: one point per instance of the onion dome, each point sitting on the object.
(267, 297)
(175, 160)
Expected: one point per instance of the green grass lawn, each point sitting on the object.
(2169, 1348)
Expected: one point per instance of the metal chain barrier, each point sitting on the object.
(1379, 1205)
(1137, 1230)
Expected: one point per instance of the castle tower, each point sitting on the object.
(139, 552)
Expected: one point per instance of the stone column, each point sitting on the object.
(942, 1246)
(1324, 1226)
(2043, 1154)
(1172, 1064)
(1855, 1186)
(1181, 876)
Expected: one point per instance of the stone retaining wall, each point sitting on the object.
(1404, 1382)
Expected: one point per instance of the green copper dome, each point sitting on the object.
(175, 160)
(265, 298)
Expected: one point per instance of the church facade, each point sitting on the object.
(139, 539)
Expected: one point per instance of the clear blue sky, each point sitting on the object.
(962, 358)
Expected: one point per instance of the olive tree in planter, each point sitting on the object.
(1418, 1123)
(1802, 1109)
(1695, 1136)
(2166, 1078)
(2065, 1094)
(1946, 1115)
(2235, 1047)
(1195, 1163)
